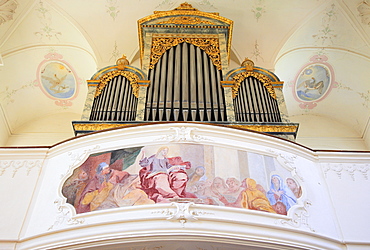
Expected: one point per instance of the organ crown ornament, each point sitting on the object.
(248, 64)
(122, 62)
(186, 6)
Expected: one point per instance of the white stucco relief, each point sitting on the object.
(183, 134)
(287, 161)
(78, 159)
(15, 166)
(299, 216)
(185, 212)
(64, 216)
(350, 169)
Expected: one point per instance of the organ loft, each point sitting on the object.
(185, 77)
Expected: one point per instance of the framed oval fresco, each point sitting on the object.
(57, 79)
(313, 82)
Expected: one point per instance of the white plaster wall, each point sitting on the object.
(324, 218)
(19, 173)
(348, 185)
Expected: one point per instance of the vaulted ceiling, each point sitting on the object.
(282, 36)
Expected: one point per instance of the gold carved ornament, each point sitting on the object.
(268, 128)
(188, 20)
(238, 78)
(98, 126)
(209, 45)
(105, 79)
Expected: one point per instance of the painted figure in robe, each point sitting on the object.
(279, 192)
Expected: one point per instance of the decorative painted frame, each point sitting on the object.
(57, 58)
(311, 85)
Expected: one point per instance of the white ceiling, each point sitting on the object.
(280, 36)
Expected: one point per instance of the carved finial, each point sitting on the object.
(122, 62)
(186, 6)
(248, 64)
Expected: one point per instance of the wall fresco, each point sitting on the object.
(181, 172)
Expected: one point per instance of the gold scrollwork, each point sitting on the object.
(105, 79)
(185, 20)
(268, 128)
(209, 45)
(97, 126)
(238, 78)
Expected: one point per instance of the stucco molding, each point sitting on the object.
(64, 216)
(183, 213)
(77, 159)
(15, 166)
(183, 134)
(288, 161)
(299, 216)
(350, 169)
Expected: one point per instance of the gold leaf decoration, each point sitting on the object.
(238, 78)
(105, 79)
(209, 45)
(268, 128)
(186, 20)
(97, 126)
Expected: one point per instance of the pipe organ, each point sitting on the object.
(185, 86)
(184, 77)
(116, 102)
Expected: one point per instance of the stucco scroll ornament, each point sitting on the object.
(64, 216)
(288, 161)
(4, 165)
(183, 212)
(16, 165)
(183, 134)
(351, 169)
(78, 158)
(7, 10)
(299, 216)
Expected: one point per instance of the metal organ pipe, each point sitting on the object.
(188, 86)
(116, 102)
(254, 103)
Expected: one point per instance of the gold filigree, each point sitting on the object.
(248, 64)
(185, 20)
(122, 62)
(186, 6)
(97, 126)
(268, 128)
(185, 10)
(258, 128)
(209, 45)
(238, 78)
(105, 79)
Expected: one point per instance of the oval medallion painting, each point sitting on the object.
(58, 80)
(313, 82)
